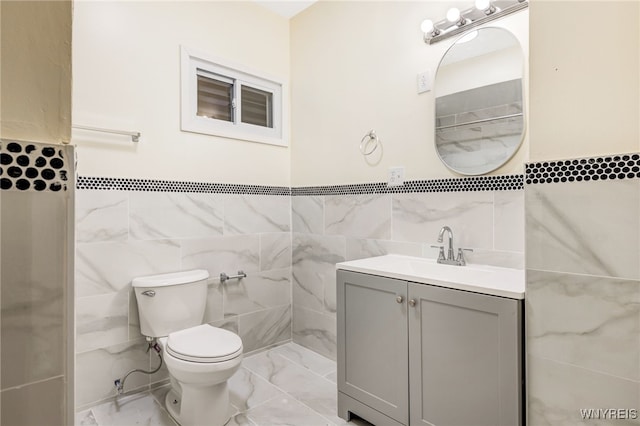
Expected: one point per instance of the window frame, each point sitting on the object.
(191, 62)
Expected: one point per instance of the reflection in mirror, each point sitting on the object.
(479, 101)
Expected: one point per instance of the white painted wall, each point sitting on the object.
(354, 68)
(35, 74)
(126, 75)
(585, 84)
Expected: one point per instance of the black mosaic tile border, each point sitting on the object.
(611, 167)
(154, 185)
(475, 183)
(622, 166)
(35, 167)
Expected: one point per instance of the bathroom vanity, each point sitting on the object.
(420, 343)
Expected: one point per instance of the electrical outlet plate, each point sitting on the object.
(424, 82)
(396, 176)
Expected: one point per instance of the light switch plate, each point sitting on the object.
(424, 82)
(396, 176)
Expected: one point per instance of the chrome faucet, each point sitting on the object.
(440, 238)
(450, 259)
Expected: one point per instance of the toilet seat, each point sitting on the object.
(205, 344)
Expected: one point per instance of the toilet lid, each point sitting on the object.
(204, 343)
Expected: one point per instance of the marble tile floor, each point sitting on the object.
(285, 385)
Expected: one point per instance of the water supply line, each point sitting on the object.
(119, 383)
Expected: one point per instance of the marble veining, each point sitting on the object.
(576, 244)
(33, 288)
(101, 320)
(101, 216)
(366, 216)
(286, 385)
(95, 271)
(313, 269)
(248, 390)
(268, 289)
(97, 369)
(250, 214)
(308, 289)
(568, 231)
(222, 254)
(508, 221)
(591, 322)
(419, 217)
(249, 232)
(360, 248)
(557, 392)
(313, 390)
(315, 330)
(264, 328)
(275, 251)
(170, 231)
(306, 358)
(175, 215)
(307, 214)
(505, 259)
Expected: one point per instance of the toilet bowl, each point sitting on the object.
(200, 358)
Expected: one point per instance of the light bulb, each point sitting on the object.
(453, 15)
(427, 26)
(483, 4)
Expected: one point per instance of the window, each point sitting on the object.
(224, 101)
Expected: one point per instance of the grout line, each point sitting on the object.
(287, 393)
(36, 382)
(581, 274)
(585, 369)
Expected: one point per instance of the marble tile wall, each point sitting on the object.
(35, 301)
(334, 228)
(583, 299)
(123, 234)
(34, 307)
(288, 246)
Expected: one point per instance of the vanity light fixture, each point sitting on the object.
(455, 17)
(486, 6)
(457, 22)
(428, 28)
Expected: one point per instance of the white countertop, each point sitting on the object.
(493, 280)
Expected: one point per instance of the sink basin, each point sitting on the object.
(486, 279)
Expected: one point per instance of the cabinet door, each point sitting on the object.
(372, 342)
(464, 358)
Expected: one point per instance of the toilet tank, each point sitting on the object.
(170, 302)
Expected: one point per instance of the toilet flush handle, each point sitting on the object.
(149, 293)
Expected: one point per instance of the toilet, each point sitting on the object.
(200, 358)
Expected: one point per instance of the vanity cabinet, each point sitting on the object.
(418, 354)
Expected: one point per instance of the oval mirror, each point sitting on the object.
(479, 101)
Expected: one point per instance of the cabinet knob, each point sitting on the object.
(399, 299)
(412, 302)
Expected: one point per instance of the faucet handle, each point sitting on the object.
(461, 260)
(440, 252)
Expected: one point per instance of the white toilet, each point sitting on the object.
(200, 358)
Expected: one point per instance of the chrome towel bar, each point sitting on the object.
(135, 136)
(224, 277)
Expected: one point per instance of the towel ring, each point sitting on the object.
(369, 138)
